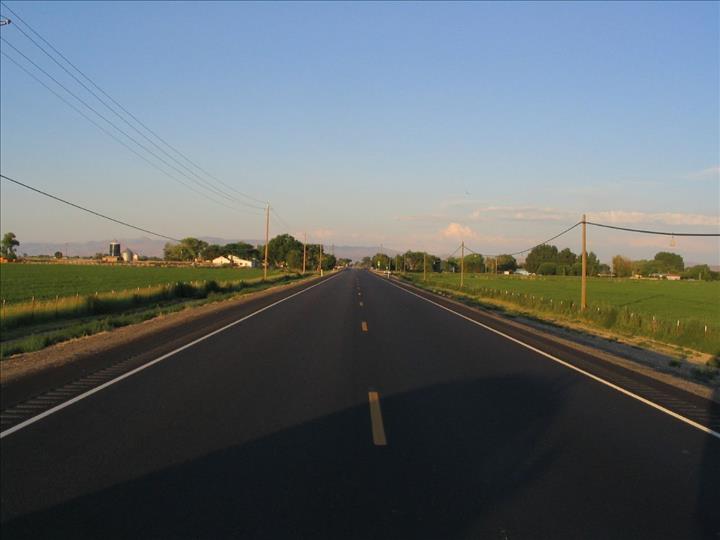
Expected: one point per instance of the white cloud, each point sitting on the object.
(521, 213)
(321, 234)
(456, 231)
(432, 218)
(660, 218)
(711, 172)
(615, 217)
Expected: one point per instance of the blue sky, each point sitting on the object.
(414, 125)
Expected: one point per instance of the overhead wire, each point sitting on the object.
(280, 219)
(95, 213)
(530, 248)
(603, 225)
(113, 136)
(121, 107)
(111, 123)
(643, 231)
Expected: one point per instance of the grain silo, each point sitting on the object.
(114, 250)
(128, 255)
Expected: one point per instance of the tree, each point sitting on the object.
(669, 262)
(593, 264)
(9, 243)
(506, 263)
(622, 267)
(213, 251)
(242, 250)
(188, 249)
(566, 257)
(380, 261)
(702, 272)
(547, 269)
(294, 258)
(451, 264)
(279, 247)
(539, 255)
(329, 261)
(58, 254)
(474, 263)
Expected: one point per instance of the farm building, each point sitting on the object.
(232, 260)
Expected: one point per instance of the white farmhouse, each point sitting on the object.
(232, 260)
(242, 263)
(221, 261)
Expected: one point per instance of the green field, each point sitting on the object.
(22, 282)
(685, 313)
(44, 304)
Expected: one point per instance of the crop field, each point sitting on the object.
(22, 282)
(50, 303)
(685, 313)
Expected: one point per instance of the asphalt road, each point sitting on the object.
(359, 410)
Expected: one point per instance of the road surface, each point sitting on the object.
(357, 409)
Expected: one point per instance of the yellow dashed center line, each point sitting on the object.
(378, 429)
(364, 326)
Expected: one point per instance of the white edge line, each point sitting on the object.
(138, 369)
(570, 366)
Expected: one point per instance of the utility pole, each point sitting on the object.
(462, 263)
(267, 239)
(304, 253)
(583, 293)
(320, 263)
(424, 266)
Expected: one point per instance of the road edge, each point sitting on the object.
(680, 383)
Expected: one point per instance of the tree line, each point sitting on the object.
(284, 251)
(546, 260)
(663, 263)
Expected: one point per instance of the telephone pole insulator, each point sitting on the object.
(3, 22)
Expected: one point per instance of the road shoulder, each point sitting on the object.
(646, 363)
(26, 375)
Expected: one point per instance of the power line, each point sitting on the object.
(87, 209)
(281, 220)
(113, 136)
(663, 233)
(93, 83)
(111, 123)
(530, 248)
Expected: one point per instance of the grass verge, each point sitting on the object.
(27, 330)
(686, 340)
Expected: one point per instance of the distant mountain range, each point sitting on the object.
(152, 247)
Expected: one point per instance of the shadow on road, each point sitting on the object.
(709, 483)
(325, 479)
(484, 458)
